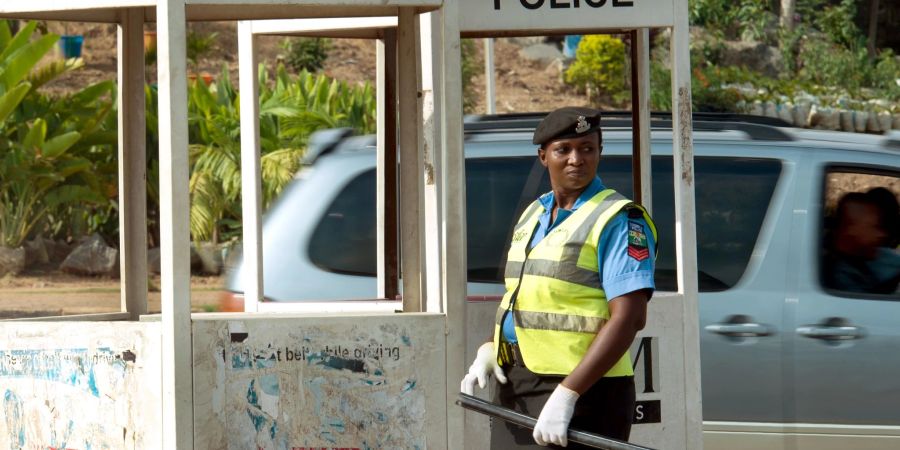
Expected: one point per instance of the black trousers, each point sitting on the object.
(606, 409)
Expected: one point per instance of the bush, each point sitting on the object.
(305, 53)
(599, 68)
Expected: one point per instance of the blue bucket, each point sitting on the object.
(70, 45)
(570, 45)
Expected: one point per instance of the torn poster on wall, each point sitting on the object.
(317, 382)
(79, 386)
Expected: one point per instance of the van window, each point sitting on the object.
(344, 240)
(732, 197)
(495, 198)
(861, 232)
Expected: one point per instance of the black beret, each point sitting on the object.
(565, 123)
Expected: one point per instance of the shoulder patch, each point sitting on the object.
(637, 241)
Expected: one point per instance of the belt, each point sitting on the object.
(511, 355)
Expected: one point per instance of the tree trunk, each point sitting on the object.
(787, 14)
(873, 28)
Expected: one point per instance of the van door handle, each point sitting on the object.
(739, 326)
(832, 329)
(831, 333)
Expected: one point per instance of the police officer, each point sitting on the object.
(578, 278)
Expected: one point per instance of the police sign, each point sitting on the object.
(559, 4)
(499, 16)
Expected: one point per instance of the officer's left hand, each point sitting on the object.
(553, 424)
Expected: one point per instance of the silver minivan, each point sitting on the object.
(788, 361)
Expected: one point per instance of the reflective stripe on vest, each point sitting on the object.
(557, 300)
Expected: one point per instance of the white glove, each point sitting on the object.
(553, 424)
(484, 365)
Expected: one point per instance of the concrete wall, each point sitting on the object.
(301, 382)
(80, 385)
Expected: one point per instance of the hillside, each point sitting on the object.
(522, 85)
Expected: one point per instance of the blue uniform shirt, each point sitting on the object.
(619, 272)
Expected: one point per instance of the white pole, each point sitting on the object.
(685, 222)
(132, 164)
(177, 387)
(430, 51)
(454, 215)
(251, 185)
(643, 90)
(386, 165)
(490, 96)
(411, 163)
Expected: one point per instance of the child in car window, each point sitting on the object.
(859, 259)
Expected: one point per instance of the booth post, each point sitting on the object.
(685, 220)
(641, 77)
(453, 199)
(386, 166)
(132, 161)
(177, 384)
(412, 223)
(251, 185)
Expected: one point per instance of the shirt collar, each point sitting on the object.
(589, 192)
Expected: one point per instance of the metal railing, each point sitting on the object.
(592, 440)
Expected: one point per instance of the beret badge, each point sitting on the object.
(582, 125)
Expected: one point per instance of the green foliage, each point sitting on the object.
(304, 53)
(825, 57)
(828, 63)
(707, 93)
(599, 68)
(469, 68)
(711, 14)
(730, 18)
(291, 109)
(837, 23)
(199, 44)
(47, 146)
(751, 17)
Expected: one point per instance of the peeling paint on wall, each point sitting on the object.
(79, 386)
(318, 382)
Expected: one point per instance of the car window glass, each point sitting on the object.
(861, 232)
(344, 241)
(732, 197)
(495, 198)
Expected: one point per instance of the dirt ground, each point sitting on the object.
(57, 293)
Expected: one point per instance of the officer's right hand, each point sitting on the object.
(484, 365)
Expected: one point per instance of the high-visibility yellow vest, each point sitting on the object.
(554, 291)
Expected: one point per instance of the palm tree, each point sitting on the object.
(290, 111)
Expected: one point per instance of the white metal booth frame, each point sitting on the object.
(193, 371)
